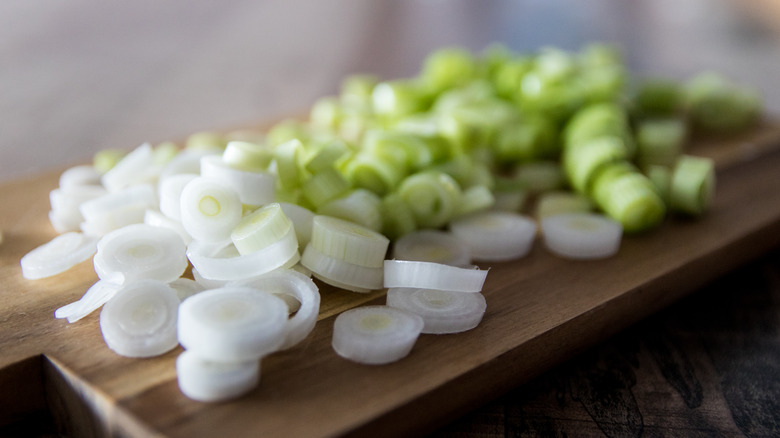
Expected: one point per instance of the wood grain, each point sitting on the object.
(541, 310)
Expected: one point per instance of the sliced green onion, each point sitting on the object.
(288, 157)
(660, 141)
(582, 235)
(208, 381)
(429, 275)
(557, 202)
(432, 196)
(134, 168)
(302, 219)
(261, 228)
(187, 161)
(474, 199)
(169, 190)
(253, 188)
(58, 255)
(105, 159)
(495, 235)
(348, 241)
(692, 185)
(205, 140)
(140, 320)
(432, 246)
(327, 156)
(582, 160)
(325, 113)
(661, 177)
(78, 176)
(658, 97)
(232, 324)
(359, 206)
(539, 176)
(97, 295)
(629, 197)
(442, 311)
(375, 335)
(324, 186)
(288, 283)
(397, 216)
(140, 251)
(715, 104)
(395, 99)
(229, 265)
(247, 156)
(157, 219)
(209, 209)
(340, 273)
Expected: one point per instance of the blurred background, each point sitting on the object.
(82, 75)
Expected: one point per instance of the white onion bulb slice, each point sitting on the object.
(97, 295)
(232, 324)
(58, 255)
(429, 275)
(582, 235)
(253, 188)
(432, 246)
(209, 209)
(443, 311)
(375, 335)
(495, 236)
(208, 381)
(340, 273)
(82, 175)
(286, 282)
(140, 196)
(138, 252)
(228, 265)
(140, 320)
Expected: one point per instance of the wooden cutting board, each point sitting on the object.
(541, 311)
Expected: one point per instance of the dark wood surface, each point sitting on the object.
(707, 366)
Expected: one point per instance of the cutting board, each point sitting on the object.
(541, 310)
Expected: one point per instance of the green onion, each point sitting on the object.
(692, 184)
(628, 197)
(660, 141)
(432, 196)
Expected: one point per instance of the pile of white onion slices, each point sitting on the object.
(199, 254)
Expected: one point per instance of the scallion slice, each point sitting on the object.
(253, 188)
(97, 295)
(261, 228)
(302, 219)
(582, 235)
(432, 246)
(140, 251)
(232, 324)
(209, 209)
(495, 235)
(341, 273)
(359, 206)
(58, 255)
(693, 184)
(134, 168)
(140, 320)
(442, 311)
(208, 381)
(348, 241)
(375, 335)
(429, 275)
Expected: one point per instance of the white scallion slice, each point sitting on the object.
(97, 295)
(138, 252)
(429, 275)
(58, 255)
(359, 206)
(209, 209)
(208, 381)
(302, 219)
(229, 265)
(136, 167)
(141, 196)
(375, 335)
(432, 246)
(79, 176)
(261, 228)
(443, 311)
(170, 190)
(495, 235)
(347, 241)
(186, 161)
(232, 324)
(582, 235)
(140, 320)
(288, 283)
(340, 273)
(157, 219)
(253, 188)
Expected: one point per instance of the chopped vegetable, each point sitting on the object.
(58, 255)
(442, 311)
(375, 335)
(581, 235)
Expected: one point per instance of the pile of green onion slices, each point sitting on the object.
(219, 244)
